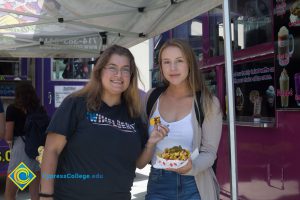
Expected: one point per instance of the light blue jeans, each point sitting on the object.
(166, 185)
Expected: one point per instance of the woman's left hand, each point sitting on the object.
(183, 170)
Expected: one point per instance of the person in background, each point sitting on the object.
(2, 121)
(102, 138)
(26, 100)
(68, 73)
(175, 107)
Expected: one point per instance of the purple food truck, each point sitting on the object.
(265, 43)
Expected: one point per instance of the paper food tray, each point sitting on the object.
(174, 164)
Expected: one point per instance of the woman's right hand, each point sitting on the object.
(55, 143)
(159, 132)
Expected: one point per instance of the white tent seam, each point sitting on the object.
(160, 17)
(157, 6)
(28, 24)
(122, 4)
(19, 46)
(17, 39)
(65, 19)
(103, 28)
(24, 14)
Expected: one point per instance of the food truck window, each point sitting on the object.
(196, 28)
(216, 32)
(287, 54)
(255, 91)
(71, 68)
(195, 37)
(251, 24)
(192, 32)
(10, 66)
(158, 41)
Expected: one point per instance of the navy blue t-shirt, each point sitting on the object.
(103, 145)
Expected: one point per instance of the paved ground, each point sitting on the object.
(140, 183)
(138, 189)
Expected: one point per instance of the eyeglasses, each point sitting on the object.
(125, 71)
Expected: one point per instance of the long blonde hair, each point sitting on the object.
(195, 76)
(94, 87)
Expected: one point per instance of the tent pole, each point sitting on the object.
(231, 112)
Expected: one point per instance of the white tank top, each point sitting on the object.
(181, 133)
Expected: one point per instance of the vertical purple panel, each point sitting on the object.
(48, 86)
(38, 77)
(205, 39)
(3, 159)
(24, 67)
(221, 88)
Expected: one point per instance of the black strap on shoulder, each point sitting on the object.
(199, 112)
(157, 91)
(153, 97)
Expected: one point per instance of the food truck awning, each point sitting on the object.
(77, 28)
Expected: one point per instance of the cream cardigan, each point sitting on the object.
(206, 139)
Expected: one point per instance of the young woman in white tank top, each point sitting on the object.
(180, 132)
(175, 106)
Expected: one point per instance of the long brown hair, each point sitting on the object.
(94, 88)
(26, 98)
(195, 76)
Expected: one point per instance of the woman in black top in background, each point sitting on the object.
(25, 100)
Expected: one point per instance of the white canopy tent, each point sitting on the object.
(83, 28)
(77, 28)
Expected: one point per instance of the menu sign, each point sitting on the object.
(62, 91)
(287, 51)
(254, 89)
